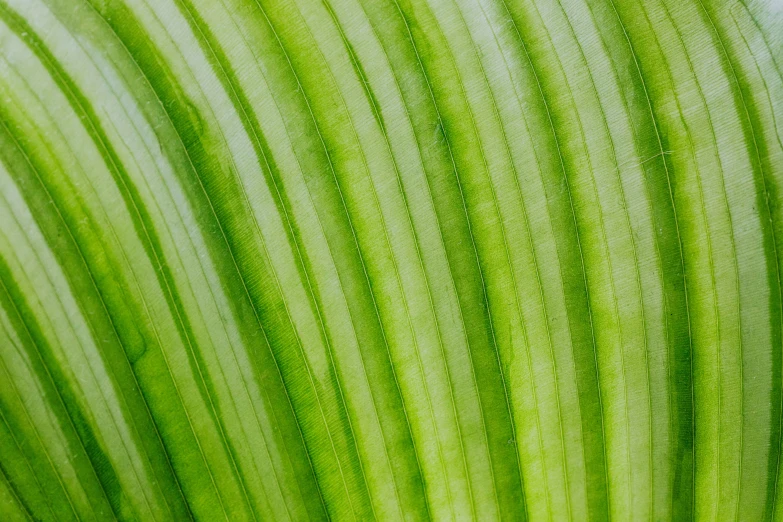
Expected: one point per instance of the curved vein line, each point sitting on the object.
(262, 241)
(442, 245)
(356, 243)
(366, 274)
(92, 372)
(734, 263)
(766, 200)
(776, 480)
(548, 111)
(4, 476)
(539, 284)
(710, 256)
(376, 113)
(43, 363)
(299, 256)
(654, 120)
(74, 97)
(470, 233)
(608, 256)
(604, 250)
(37, 436)
(192, 348)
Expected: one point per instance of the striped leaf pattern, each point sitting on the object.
(391, 259)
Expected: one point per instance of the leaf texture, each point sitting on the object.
(391, 259)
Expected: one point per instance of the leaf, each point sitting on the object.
(391, 259)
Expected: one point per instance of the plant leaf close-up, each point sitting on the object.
(391, 259)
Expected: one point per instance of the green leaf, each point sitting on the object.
(391, 259)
